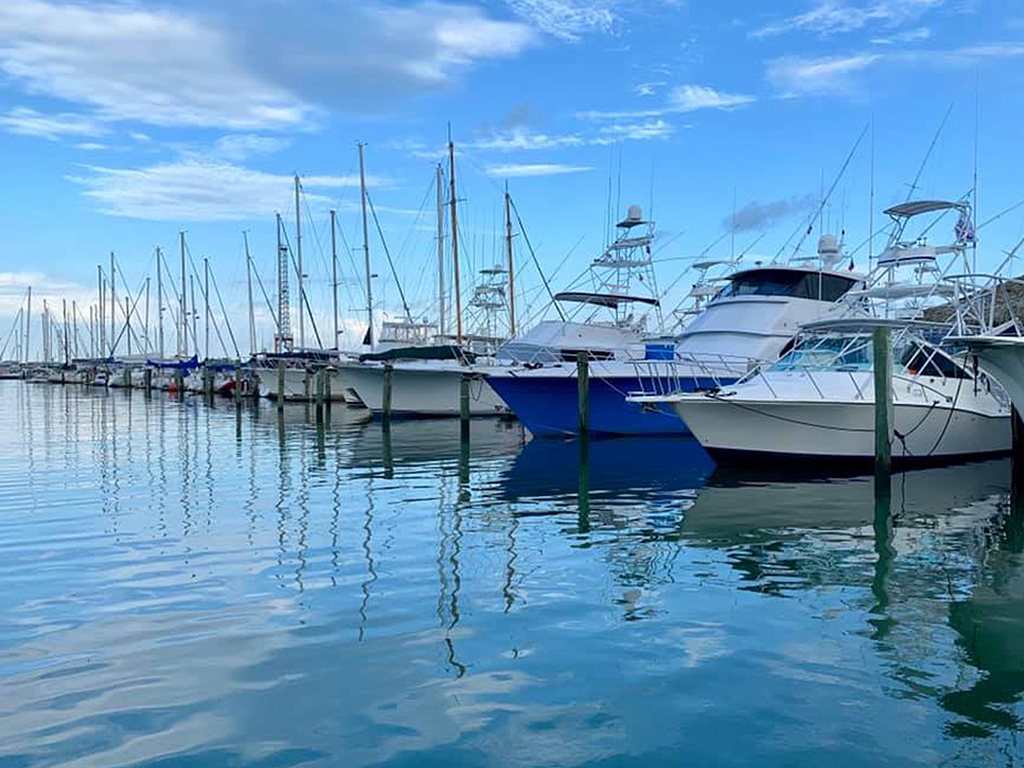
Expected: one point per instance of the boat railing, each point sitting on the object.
(690, 372)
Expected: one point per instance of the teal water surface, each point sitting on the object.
(187, 585)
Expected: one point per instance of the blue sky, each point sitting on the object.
(121, 123)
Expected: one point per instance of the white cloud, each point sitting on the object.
(239, 146)
(795, 75)
(837, 16)
(91, 146)
(648, 89)
(198, 190)
(524, 138)
(909, 36)
(129, 63)
(566, 19)
(688, 98)
(254, 66)
(13, 286)
(29, 122)
(652, 129)
(534, 169)
(799, 75)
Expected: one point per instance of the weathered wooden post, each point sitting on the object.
(320, 395)
(389, 373)
(464, 405)
(583, 390)
(208, 384)
(147, 379)
(306, 389)
(327, 387)
(280, 386)
(237, 392)
(127, 377)
(179, 382)
(883, 400)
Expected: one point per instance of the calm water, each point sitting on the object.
(183, 587)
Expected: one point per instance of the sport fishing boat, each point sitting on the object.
(748, 319)
(817, 401)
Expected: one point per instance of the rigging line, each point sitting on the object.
(526, 239)
(304, 298)
(10, 333)
(835, 183)
(224, 312)
(345, 280)
(126, 325)
(999, 215)
(698, 256)
(391, 263)
(206, 299)
(259, 281)
(928, 154)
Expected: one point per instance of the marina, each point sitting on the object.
(511, 384)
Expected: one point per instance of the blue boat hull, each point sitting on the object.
(548, 405)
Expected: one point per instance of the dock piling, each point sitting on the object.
(464, 405)
(389, 373)
(147, 379)
(280, 386)
(583, 390)
(320, 395)
(883, 400)
(237, 392)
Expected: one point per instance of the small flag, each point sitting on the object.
(964, 229)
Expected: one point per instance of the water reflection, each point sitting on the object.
(252, 586)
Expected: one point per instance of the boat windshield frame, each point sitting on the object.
(800, 284)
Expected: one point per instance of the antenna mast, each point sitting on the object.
(366, 250)
(511, 271)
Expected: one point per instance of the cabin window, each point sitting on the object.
(569, 355)
(921, 361)
(784, 282)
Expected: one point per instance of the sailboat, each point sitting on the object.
(425, 378)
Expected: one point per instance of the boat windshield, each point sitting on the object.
(788, 282)
(855, 352)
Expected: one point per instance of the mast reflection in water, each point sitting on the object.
(184, 584)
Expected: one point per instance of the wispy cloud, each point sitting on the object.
(798, 75)
(196, 190)
(755, 215)
(689, 98)
(524, 138)
(29, 122)
(534, 169)
(682, 98)
(13, 286)
(566, 19)
(239, 146)
(617, 132)
(832, 17)
(648, 89)
(244, 67)
(908, 36)
(91, 146)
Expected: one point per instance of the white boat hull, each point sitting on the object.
(299, 384)
(839, 430)
(423, 389)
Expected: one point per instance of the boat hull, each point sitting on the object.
(423, 390)
(299, 384)
(734, 429)
(549, 404)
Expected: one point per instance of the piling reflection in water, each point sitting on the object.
(251, 586)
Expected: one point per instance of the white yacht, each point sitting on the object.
(817, 402)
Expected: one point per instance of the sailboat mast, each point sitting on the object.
(442, 321)
(334, 275)
(67, 346)
(183, 338)
(248, 280)
(455, 243)
(113, 306)
(366, 248)
(195, 315)
(298, 255)
(145, 329)
(206, 296)
(74, 324)
(511, 266)
(159, 304)
(100, 311)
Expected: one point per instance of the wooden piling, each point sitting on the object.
(583, 390)
(280, 386)
(147, 379)
(320, 395)
(327, 387)
(127, 377)
(389, 373)
(464, 405)
(883, 399)
(237, 392)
